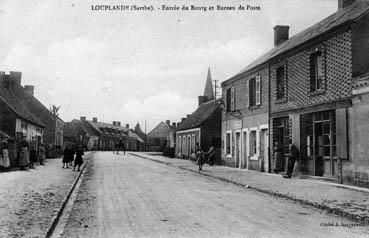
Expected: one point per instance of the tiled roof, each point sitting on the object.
(16, 105)
(198, 116)
(161, 130)
(342, 16)
(106, 128)
(134, 135)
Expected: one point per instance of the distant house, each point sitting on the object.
(203, 126)
(95, 135)
(16, 119)
(53, 133)
(134, 142)
(138, 131)
(157, 137)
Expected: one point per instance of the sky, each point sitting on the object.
(137, 66)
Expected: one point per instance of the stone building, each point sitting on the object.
(16, 119)
(53, 132)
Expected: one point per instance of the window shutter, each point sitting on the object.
(257, 94)
(248, 93)
(232, 99)
(341, 133)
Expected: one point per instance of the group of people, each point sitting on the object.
(201, 156)
(120, 145)
(28, 154)
(68, 157)
(293, 155)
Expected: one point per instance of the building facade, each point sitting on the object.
(316, 94)
(245, 120)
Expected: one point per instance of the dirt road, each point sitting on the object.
(127, 196)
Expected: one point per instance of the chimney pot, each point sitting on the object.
(174, 125)
(114, 123)
(94, 119)
(168, 122)
(127, 126)
(281, 34)
(83, 118)
(30, 89)
(118, 123)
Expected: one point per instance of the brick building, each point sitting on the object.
(318, 93)
(245, 120)
(203, 126)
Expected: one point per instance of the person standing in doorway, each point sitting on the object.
(293, 155)
(277, 158)
(79, 160)
(23, 153)
(5, 163)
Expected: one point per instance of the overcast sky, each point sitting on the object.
(131, 66)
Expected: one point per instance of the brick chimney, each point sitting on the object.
(11, 79)
(114, 123)
(94, 119)
(127, 126)
(281, 34)
(167, 122)
(83, 118)
(174, 125)
(118, 123)
(29, 88)
(344, 3)
(183, 119)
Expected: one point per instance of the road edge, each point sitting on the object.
(56, 217)
(328, 209)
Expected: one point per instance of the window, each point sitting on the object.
(228, 143)
(253, 143)
(179, 143)
(316, 71)
(230, 99)
(280, 83)
(254, 91)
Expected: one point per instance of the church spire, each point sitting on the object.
(209, 91)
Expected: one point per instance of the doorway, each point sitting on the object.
(238, 150)
(264, 150)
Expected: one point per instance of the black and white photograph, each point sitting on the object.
(184, 118)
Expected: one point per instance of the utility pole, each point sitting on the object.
(145, 137)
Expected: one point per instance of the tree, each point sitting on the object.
(54, 110)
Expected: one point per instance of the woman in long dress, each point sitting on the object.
(42, 154)
(23, 154)
(5, 163)
(78, 161)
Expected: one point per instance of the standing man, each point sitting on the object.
(211, 155)
(293, 156)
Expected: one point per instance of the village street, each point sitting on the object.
(129, 196)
